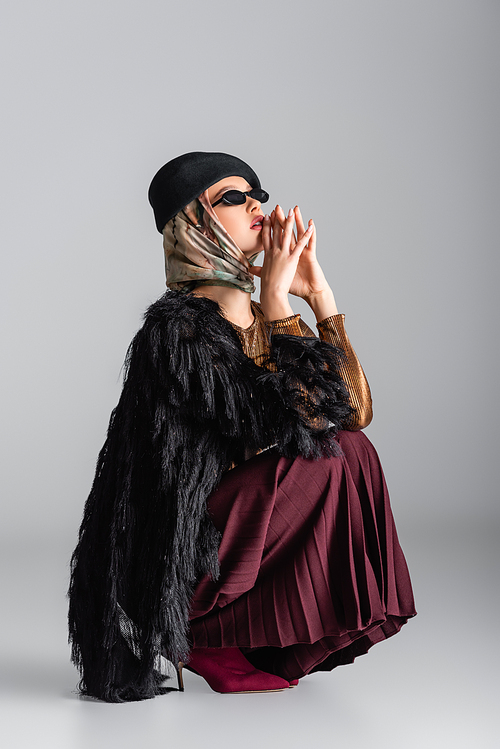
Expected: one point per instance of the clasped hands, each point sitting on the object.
(290, 266)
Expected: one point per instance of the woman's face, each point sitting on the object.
(242, 222)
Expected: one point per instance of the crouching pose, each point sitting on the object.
(239, 522)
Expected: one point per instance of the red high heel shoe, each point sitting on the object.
(226, 670)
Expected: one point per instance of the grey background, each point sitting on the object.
(381, 120)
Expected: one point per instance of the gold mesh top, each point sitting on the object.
(255, 342)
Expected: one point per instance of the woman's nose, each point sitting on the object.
(252, 204)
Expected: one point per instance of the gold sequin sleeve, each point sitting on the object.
(255, 342)
(287, 326)
(333, 331)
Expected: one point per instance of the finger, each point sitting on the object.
(287, 234)
(280, 214)
(283, 222)
(299, 224)
(277, 232)
(293, 239)
(311, 242)
(299, 221)
(304, 239)
(266, 233)
(256, 270)
(311, 245)
(271, 224)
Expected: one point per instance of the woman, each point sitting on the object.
(238, 520)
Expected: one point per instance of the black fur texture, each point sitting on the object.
(192, 402)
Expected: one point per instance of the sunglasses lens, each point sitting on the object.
(261, 195)
(234, 197)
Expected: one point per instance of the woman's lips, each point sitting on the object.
(257, 223)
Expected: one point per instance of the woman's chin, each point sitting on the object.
(253, 252)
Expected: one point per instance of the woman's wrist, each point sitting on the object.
(322, 304)
(275, 308)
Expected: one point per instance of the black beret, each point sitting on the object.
(184, 178)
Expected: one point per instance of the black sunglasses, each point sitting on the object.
(236, 197)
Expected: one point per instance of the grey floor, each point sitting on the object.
(433, 685)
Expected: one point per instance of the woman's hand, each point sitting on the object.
(281, 257)
(291, 266)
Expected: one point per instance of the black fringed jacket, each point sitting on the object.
(192, 403)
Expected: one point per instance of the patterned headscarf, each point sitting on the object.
(199, 251)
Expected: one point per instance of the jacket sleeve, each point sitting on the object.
(332, 331)
(306, 398)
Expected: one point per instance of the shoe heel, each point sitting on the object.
(180, 680)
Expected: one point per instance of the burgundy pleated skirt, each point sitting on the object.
(311, 570)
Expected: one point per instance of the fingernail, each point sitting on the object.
(309, 229)
(266, 217)
(290, 213)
